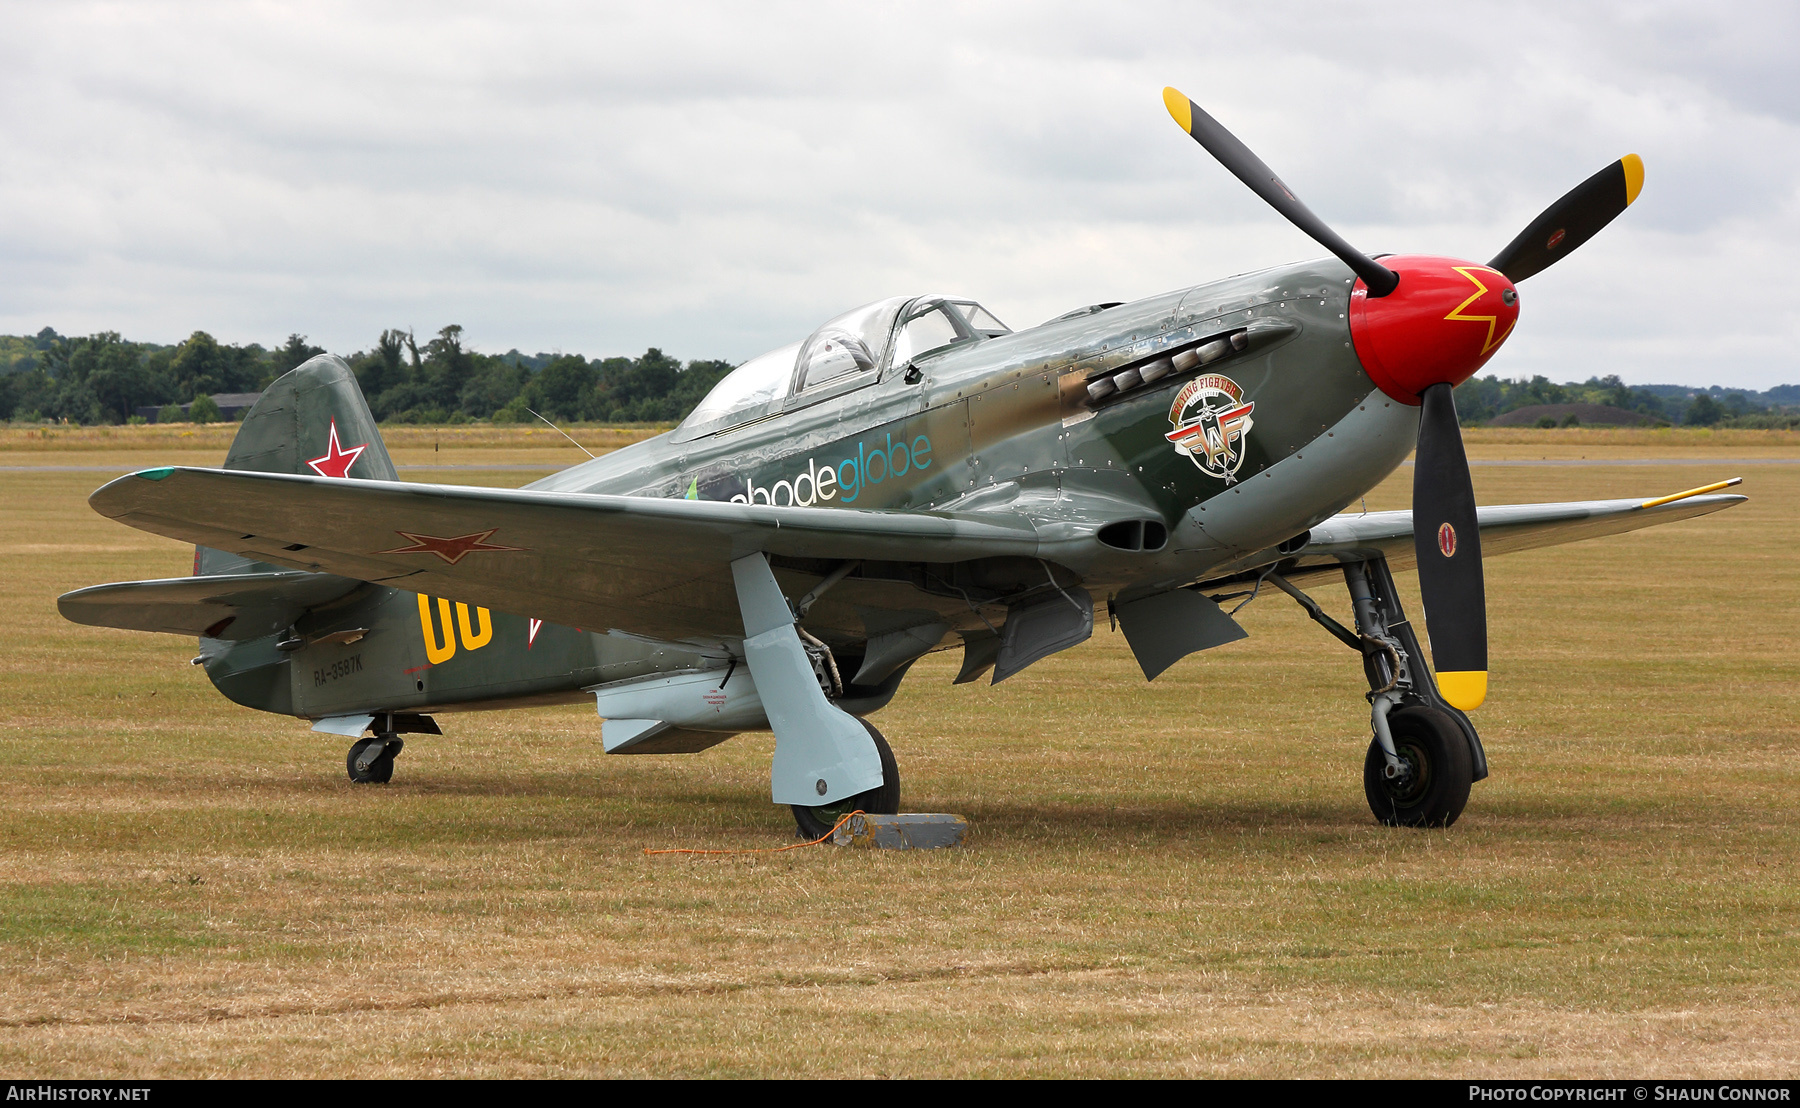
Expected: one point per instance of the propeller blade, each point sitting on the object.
(1573, 220)
(1447, 542)
(1251, 170)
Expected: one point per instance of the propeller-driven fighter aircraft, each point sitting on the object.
(913, 476)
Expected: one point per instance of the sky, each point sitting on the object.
(717, 179)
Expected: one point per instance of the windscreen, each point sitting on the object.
(923, 333)
(980, 319)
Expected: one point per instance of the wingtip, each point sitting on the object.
(1703, 489)
(1181, 109)
(1634, 177)
(114, 498)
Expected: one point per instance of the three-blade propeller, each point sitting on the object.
(1396, 306)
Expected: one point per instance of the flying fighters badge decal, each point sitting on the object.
(1211, 420)
(452, 550)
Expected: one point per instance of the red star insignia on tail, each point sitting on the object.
(451, 550)
(336, 461)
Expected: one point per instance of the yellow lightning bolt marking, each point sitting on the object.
(1480, 291)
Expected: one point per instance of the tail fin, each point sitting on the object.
(311, 421)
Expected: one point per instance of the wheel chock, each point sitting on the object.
(907, 831)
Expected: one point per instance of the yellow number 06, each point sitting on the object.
(472, 639)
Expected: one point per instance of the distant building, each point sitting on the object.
(232, 405)
(1586, 415)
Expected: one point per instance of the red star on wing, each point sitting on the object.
(336, 461)
(451, 550)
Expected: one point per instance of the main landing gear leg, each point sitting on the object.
(825, 758)
(1425, 753)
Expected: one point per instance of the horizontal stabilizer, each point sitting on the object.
(235, 606)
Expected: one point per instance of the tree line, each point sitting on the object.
(1481, 399)
(103, 378)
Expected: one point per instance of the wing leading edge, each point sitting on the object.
(663, 566)
(1508, 528)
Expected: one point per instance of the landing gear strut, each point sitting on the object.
(824, 756)
(1425, 753)
(371, 761)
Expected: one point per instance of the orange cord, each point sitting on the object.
(766, 849)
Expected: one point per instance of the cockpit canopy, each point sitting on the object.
(858, 346)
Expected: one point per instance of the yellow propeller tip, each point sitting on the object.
(1634, 177)
(1464, 689)
(1182, 110)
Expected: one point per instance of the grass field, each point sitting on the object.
(1163, 880)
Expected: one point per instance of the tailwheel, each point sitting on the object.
(1436, 770)
(371, 761)
(816, 822)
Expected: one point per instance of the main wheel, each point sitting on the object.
(884, 800)
(1438, 770)
(381, 770)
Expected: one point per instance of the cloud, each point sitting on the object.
(716, 179)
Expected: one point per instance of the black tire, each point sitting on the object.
(1433, 748)
(381, 770)
(815, 822)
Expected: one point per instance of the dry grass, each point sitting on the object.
(1173, 879)
(1629, 443)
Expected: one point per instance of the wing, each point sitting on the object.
(1505, 528)
(658, 566)
(235, 606)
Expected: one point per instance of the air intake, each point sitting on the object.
(1134, 534)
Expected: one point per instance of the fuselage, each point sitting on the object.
(1154, 484)
(1007, 421)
